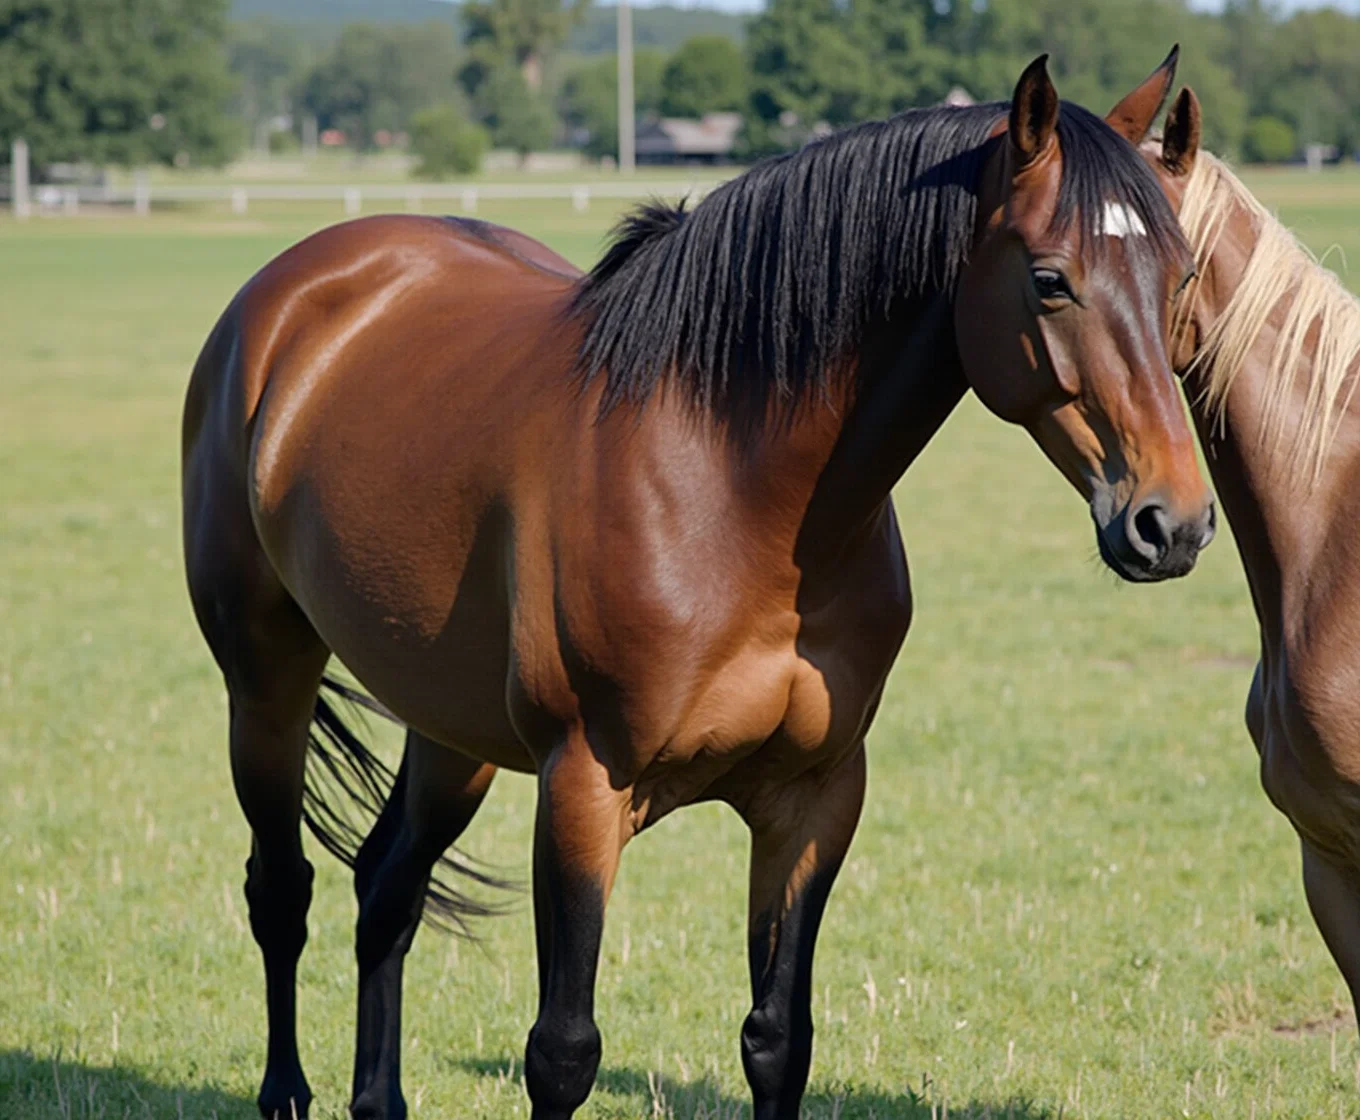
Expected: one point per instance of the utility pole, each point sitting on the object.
(18, 179)
(627, 132)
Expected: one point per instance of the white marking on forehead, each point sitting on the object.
(1119, 220)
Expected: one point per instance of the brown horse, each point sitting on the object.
(631, 532)
(1269, 342)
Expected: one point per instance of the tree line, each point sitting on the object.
(180, 81)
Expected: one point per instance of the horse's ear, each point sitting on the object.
(1133, 116)
(1034, 112)
(1180, 137)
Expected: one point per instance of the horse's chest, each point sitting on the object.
(770, 717)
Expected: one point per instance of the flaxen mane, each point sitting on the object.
(760, 294)
(1285, 285)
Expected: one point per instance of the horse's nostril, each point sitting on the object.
(1211, 526)
(1149, 533)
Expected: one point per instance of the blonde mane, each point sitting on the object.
(1280, 274)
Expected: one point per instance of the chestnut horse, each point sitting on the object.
(631, 531)
(1269, 341)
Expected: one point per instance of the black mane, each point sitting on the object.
(760, 293)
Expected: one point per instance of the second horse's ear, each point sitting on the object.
(1180, 137)
(1034, 113)
(1133, 116)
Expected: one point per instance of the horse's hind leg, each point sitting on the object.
(435, 796)
(272, 661)
(268, 751)
(799, 836)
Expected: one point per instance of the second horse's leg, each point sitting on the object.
(799, 837)
(436, 794)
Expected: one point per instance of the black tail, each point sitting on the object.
(343, 796)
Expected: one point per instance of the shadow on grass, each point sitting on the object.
(703, 1099)
(34, 1086)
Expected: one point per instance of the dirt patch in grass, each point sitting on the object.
(1337, 1021)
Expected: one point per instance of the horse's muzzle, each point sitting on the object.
(1148, 542)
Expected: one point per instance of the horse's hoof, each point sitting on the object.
(280, 1101)
(370, 1105)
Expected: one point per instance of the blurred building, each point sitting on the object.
(711, 139)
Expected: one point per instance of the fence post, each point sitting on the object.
(469, 200)
(413, 201)
(580, 198)
(141, 193)
(353, 200)
(18, 174)
(70, 200)
(239, 200)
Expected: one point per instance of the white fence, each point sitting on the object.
(465, 197)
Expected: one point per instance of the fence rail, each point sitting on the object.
(141, 197)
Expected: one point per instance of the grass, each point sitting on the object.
(1068, 895)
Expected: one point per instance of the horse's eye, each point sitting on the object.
(1051, 285)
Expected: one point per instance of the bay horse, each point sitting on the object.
(631, 531)
(1269, 344)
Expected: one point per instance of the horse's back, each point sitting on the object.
(383, 273)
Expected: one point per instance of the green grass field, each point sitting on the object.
(1068, 895)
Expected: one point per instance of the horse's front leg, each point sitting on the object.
(799, 836)
(1333, 895)
(579, 832)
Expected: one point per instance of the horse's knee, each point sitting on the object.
(278, 900)
(560, 1063)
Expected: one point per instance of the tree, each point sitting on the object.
(375, 77)
(520, 31)
(664, 27)
(841, 61)
(269, 62)
(1269, 140)
(906, 67)
(707, 74)
(1248, 26)
(805, 68)
(1315, 87)
(590, 97)
(446, 142)
(519, 117)
(137, 82)
(824, 61)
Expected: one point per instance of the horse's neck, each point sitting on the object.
(908, 383)
(1243, 496)
(1279, 513)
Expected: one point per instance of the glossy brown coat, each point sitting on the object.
(389, 458)
(1295, 525)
